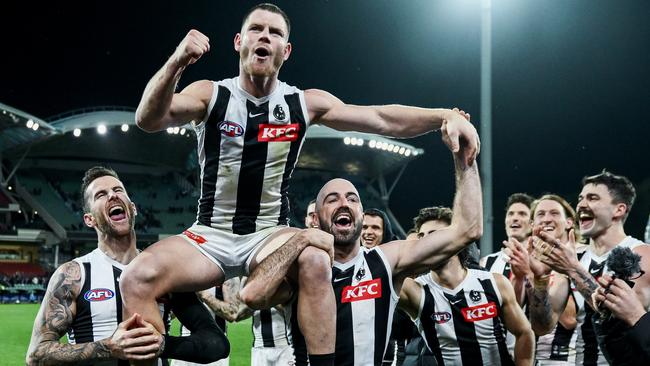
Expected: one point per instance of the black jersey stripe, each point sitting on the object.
(344, 354)
(588, 333)
(489, 262)
(297, 116)
(212, 148)
(82, 327)
(428, 321)
(382, 304)
(118, 296)
(470, 352)
(266, 323)
(498, 323)
(251, 174)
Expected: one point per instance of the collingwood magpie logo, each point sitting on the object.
(475, 296)
(361, 273)
(278, 113)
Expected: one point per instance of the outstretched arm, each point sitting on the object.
(409, 257)
(160, 107)
(393, 120)
(56, 315)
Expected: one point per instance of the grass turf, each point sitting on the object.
(16, 321)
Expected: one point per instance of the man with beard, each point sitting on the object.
(552, 214)
(249, 132)
(367, 282)
(603, 205)
(83, 297)
(376, 228)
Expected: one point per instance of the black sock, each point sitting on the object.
(322, 360)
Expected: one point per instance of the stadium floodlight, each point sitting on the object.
(183, 131)
(101, 129)
(76, 132)
(35, 212)
(35, 126)
(372, 143)
(125, 127)
(346, 140)
(396, 149)
(401, 150)
(177, 130)
(407, 152)
(170, 130)
(10, 188)
(360, 142)
(30, 123)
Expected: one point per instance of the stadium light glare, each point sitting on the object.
(183, 131)
(35, 212)
(101, 129)
(125, 127)
(372, 143)
(407, 152)
(10, 188)
(76, 132)
(396, 149)
(401, 150)
(177, 130)
(360, 142)
(35, 126)
(170, 130)
(30, 123)
(346, 140)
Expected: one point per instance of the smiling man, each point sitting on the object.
(376, 228)
(250, 130)
(603, 205)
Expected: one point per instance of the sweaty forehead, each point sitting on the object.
(340, 187)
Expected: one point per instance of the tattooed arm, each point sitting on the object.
(547, 298)
(231, 308)
(55, 316)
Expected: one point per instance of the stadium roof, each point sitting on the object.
(18, 128)
(108, 135)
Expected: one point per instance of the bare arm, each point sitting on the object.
(160, 107)
(392, 120)
(268, 279)
(409, 297)
(410, 257)
(546, 300)
(55, 317)
(231, 308)
(516, 323)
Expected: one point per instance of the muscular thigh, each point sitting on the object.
(271, 244)
(178, 266)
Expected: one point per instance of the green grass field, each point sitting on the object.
(16, 322)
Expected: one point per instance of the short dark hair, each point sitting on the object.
(271, 8)
(90, 175)
(440, 213)
(374, 212)
(619, 186)
(522, 198)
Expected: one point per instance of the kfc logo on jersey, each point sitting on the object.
(480, 312)
(99, 294)
(362, 291)
(441, 317)
(197, 238)
(231, 129)
(275, 133)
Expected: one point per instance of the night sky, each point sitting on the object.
(571, 79)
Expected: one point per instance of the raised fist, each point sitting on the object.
(191, 48)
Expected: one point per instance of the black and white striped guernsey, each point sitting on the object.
(247, 149)
(496, 263)
(587, 351)
(272, 327)
(366, 301)
(464, 326)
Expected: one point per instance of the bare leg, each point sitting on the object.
(171, 265)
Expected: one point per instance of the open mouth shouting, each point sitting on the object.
(585, 218)
(116, 212)
(262, 53)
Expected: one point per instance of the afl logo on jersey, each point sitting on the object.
(99, 294)
(231, 129)
(441, 317)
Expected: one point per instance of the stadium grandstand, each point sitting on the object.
(43, 162)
